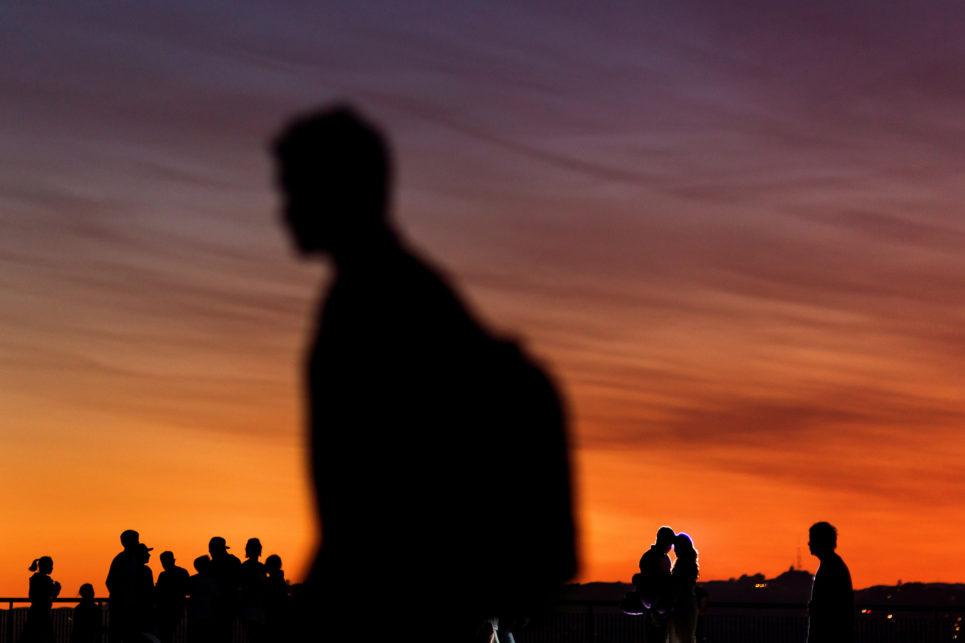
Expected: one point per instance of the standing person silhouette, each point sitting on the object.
(413, 441)
(201, 606)
(144, 594)
(254, 586)
(831, 609)
(171, 591)
(682, 627)
(87, 620)
(43, 591)
(277, 601)
(226, 571)
(122, 587)
(653, 584)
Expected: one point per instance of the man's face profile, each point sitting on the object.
(302, 211)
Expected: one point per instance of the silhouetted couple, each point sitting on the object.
(438, 450)
(831, 608)
(667, 593)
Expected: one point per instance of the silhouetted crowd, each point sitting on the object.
(223, 591)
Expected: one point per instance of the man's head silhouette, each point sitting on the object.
(253, 548)
(823, 539)
(167, 560)
(144, 553)
(665, 538)
(334, 171)
(130, 539)
(217, 547)
(273, 562)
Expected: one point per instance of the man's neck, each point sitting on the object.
(368, 255)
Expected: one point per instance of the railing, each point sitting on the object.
(602, 622)
(745, 622)
(12, 620)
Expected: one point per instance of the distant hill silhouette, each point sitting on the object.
(914, 594)
(792, 586)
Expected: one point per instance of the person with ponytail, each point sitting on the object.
(43, 591)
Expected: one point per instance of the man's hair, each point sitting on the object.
(166, 556)
(340, 146)
(129, 538)
(665, 536)
(824, 534)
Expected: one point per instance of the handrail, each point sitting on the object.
(894, 607)
(875, 607)
(11, 601)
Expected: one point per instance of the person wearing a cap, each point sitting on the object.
(144, 593)
(121, 584)
(226, 569)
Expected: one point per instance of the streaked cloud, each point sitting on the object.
(733, 231)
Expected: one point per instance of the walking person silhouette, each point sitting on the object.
(43, 591)
(411, 416)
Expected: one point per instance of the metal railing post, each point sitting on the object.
(10, 622)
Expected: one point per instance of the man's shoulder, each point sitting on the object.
(832, 569)
(836, 563)
(417, 295)
(122, 558)
(653, 556)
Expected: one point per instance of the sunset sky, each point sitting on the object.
(736, 235)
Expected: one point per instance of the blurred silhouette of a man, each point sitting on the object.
(442, 500)
(831, 609)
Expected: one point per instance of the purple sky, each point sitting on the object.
(735, 232)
